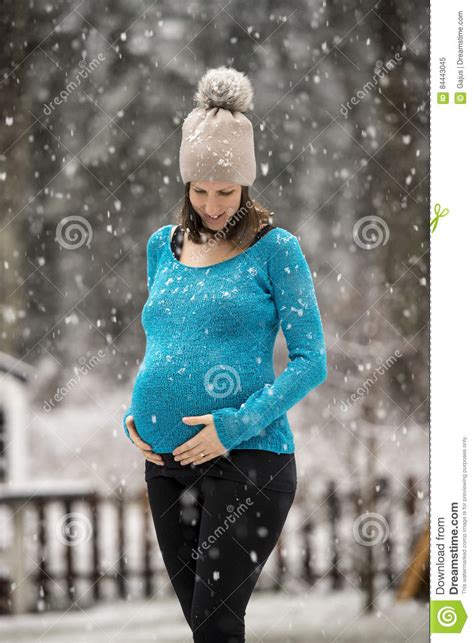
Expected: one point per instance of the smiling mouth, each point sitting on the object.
(216, 217)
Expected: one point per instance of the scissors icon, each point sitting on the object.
(439, 213)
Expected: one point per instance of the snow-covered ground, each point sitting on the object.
(315, 617)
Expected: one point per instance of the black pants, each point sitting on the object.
(215, 536)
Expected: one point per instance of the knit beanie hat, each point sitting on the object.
(217, 138)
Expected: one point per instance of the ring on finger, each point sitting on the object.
(199, 458)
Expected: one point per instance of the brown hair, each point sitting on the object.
(241, 227)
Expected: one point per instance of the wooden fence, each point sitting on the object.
(70, 550)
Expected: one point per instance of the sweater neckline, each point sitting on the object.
(219, 263)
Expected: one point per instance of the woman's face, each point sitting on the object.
(215, 201)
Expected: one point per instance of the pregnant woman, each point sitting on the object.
(207, 411)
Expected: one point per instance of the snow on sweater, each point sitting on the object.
(210, 334)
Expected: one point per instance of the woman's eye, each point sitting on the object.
(223, 193)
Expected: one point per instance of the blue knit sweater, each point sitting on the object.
(210, 334)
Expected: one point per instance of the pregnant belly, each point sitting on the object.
(163, 394)
(160, 403)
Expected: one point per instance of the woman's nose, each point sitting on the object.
(212, 208)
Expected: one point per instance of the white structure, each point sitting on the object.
(14, 399)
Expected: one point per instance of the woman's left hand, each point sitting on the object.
(206, 441)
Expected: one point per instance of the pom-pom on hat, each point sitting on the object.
(217, 138)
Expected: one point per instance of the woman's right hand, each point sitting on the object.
(143, 446)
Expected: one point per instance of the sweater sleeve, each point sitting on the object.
(300, 320)
(151, 263)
